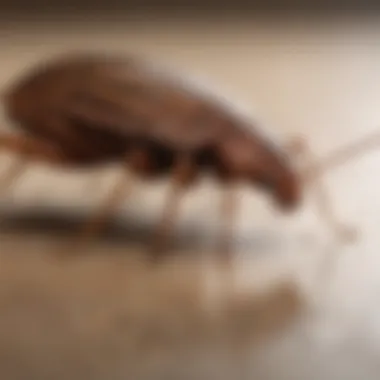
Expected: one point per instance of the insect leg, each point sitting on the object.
(31, 148)
(26, 148)
(325, 209)
(112, 201)
(13, 172)
(344, 232)
(182, 174)
(136, 160)
(228, 209)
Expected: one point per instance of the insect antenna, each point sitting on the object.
(341, 156)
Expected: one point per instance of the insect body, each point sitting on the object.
(87, 109)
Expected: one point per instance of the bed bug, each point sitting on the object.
(88, 109)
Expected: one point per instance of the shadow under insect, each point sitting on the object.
(127, 230)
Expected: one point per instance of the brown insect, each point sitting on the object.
(90, 109)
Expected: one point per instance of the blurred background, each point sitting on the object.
(308, 69)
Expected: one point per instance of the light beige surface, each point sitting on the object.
(318, 80)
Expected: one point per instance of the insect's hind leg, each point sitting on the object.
(27, 149)
(300, 149)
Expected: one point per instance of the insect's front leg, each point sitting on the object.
(301, 151)
(182, 174)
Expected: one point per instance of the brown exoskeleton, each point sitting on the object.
(89, 109)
